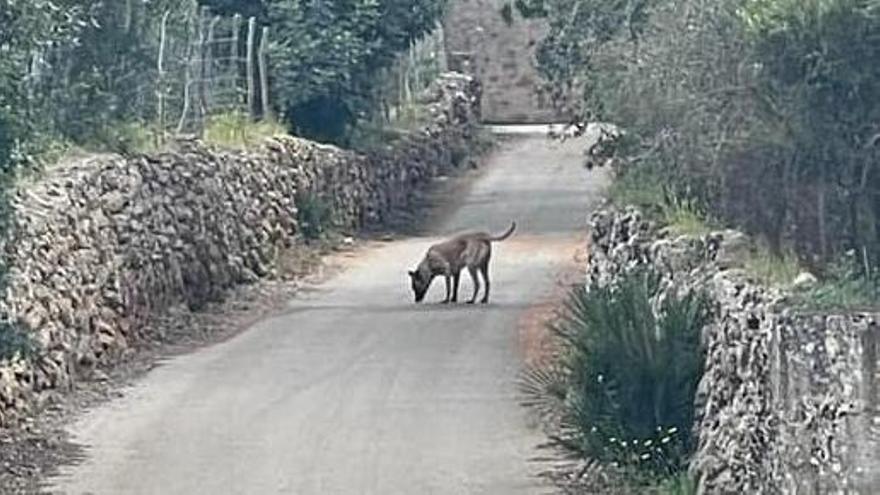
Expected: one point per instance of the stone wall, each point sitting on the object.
(502, 56)
(788, 401)
(98, 247)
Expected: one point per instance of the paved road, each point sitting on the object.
(355, 390)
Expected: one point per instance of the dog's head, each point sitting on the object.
(420, 283)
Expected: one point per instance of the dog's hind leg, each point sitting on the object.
(448, 280)
(476, 279)
(456, 278)
(484, 269)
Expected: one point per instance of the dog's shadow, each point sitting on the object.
(409, 308)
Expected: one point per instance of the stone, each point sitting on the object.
(804, 281)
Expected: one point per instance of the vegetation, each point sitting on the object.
(763, 111)
(843, 287)
(14, 342)
(624, 388)
(772, 268)
(328, 57)
(314, 216)
(87, 72)
(237, 130)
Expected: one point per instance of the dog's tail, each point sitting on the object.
(504, 235)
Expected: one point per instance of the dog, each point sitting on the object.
(469, 250)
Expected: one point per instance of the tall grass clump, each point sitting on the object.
(314, 216)
(237, 130)
(624, 386)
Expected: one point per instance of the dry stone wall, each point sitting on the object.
(788, 401)
(98, 247)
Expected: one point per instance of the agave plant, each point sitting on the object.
(623, 389)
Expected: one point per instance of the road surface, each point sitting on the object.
(355, 389)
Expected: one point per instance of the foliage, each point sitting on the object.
(680, 484)
(14, 341)
(625, 385)
(327, 57)
(683, 216)
(314, 216)
(844, 286)
(766, 111)
(772, 268)
(28, 26)
(638, 186)
(238, 130)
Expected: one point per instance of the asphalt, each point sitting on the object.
(355, 389)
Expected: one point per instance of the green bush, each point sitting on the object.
(314, 216)
(14, 341)
(624, 387)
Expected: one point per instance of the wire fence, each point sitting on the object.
(186, 65)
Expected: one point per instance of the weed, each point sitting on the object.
(624, 387)
(14, 341)
(314, 216)
(770, 268)
(683, 216)
(846, 285)
(237, 130)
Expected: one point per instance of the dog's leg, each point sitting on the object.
(456, 278)
(476, 279)
(448, 280)
(484, 269)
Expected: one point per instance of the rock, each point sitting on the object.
(804, 281)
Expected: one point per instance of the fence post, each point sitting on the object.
(188, 78)
(234, 59)
(160, 85)
(209, 64)
(201, 53)
(251, 71)
(264, 75)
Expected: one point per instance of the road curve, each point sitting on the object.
(355, 389)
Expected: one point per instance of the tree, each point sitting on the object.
(326, 57)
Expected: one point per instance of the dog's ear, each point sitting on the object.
(412, 274)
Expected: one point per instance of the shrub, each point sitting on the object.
(624, 387)
(314, 216)
(14, 341)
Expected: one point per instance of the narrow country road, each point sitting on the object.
(355, 389)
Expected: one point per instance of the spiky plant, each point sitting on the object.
(623, 390)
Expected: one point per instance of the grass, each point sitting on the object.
(646, 190)
(237, 130)
(843, 287)
(641, 188)
(684, 217)
(773, 269)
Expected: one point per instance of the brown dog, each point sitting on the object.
(469, 250)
